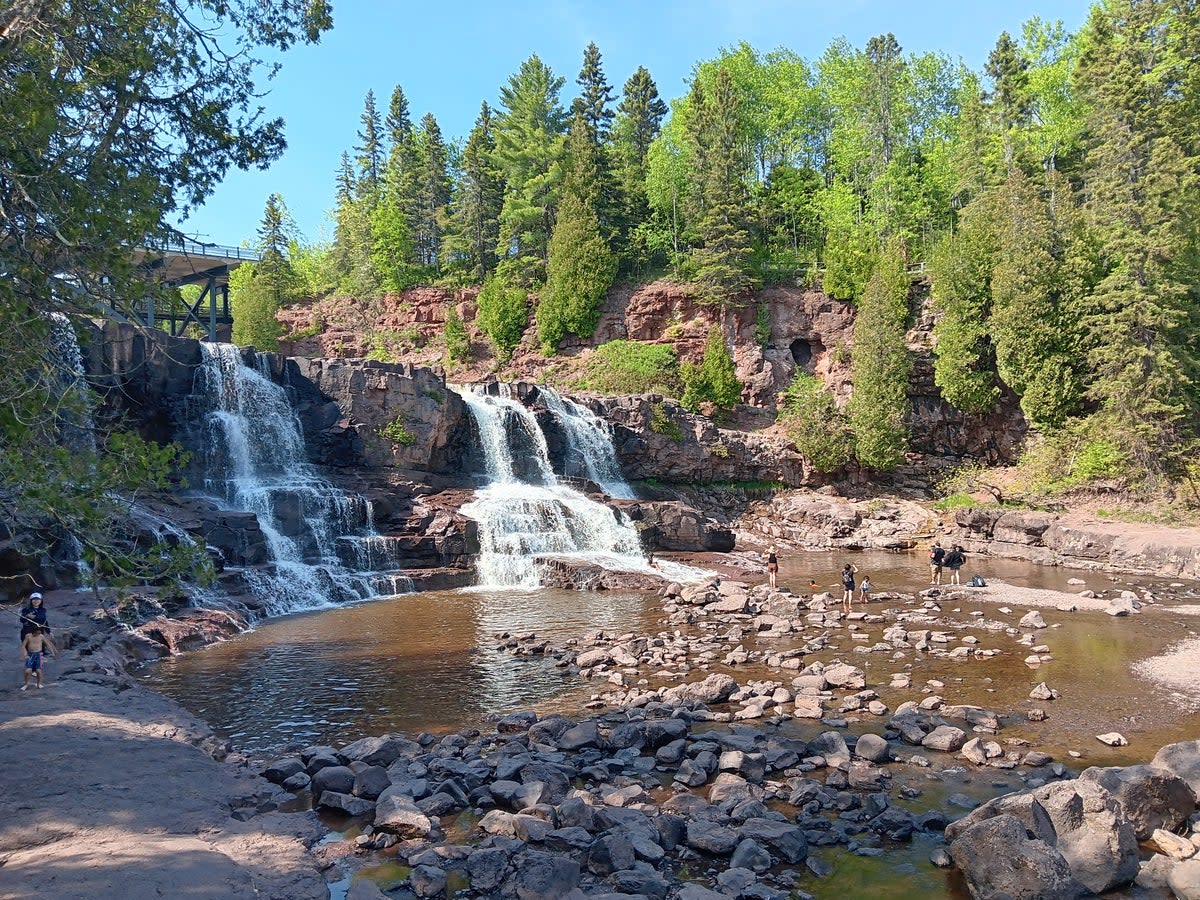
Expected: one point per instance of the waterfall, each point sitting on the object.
(321, 540)
(76, 429)
(590, 439)
(526, 515)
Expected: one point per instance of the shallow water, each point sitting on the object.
(427, 662)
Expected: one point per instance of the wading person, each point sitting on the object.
(772, 565)
(954, 562)
(936, 557)
(864, 589)
(848, 587)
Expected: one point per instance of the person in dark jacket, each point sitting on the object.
(33, 615)
(954, 561)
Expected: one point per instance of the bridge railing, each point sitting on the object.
(188, 247)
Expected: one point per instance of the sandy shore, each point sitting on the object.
(110, 791)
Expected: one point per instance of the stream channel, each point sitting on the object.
(431, 662)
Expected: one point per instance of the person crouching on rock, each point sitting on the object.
(772, 565)
(848, 587)
(35, 643)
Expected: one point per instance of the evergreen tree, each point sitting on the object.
(641, 112)
(595, 95)
(369, 149)
(1140, 181)
(398, 123)
(720, 210)
(581, 265)
(529, 143)
(433, 193)
(811, 420)
(458, 343)
(880, 364)
(1008, 69)
(961, 271)
(474, 225)
(257, 292)
(503, 315)
(346, 182)
(390, 266)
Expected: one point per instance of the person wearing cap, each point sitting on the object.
(33, 615)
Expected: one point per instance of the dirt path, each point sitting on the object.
(108, 792)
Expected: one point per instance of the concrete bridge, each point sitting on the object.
(191, 262)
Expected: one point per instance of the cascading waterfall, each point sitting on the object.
(590, 438)
(525, 518)
(321, 540)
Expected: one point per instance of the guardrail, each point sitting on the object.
(198, 248)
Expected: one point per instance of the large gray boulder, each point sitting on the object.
(716, 688)
(999, 861)
(545, 876)
(1097, 843)
(398, 814)
(1181, 759)
(1023, 807)
(1150, 797)
(379, 751)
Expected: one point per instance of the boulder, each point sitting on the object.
(379, 751)
(610, 853)
(545, 876)
(345, 803)
(282, 769)
(397, 813)
(711, 837)
(1150, 797)
(1023, 807)
(716, 688)
(832, 746)
(999, 860)
(784, 838)
(333, 778)
(486, 869)
(1184, 879)
(370, 782)
(1097, 843)
(1181, 759)
(946, 738)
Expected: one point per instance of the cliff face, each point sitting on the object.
(804, 330)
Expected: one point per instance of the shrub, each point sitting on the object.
(458, 344)
(812, 422)
(396, 432)
(762, 324)
(630, 367)
(714, 380)
(503, 314)
(662, 423)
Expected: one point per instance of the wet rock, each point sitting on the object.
(379, 751)
(997, 859)
(427, 881)
(1032, 619)
(370, 782)
(282, 769)
(398, 814)
(1042, 692)
(784, 838)
(586, 734)
(941, 858)
(1113, 739)
(1023, 807)
(832, 746)
(1150, 797)
(517, 722)
(845, 676)
(339, 779)
(610, 853)
(716, 688)
(345, 803)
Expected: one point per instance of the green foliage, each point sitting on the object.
(811, 420)
(715, 379)
(880, 365)
(473, 231)
(252, 300)
(581, 266)
(391, 247)
(762, 324)
(662, 423)
(503, 314)
(631, 367)
(397, 432)
(955, 501)
(458, 344)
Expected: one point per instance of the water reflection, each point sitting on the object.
(411, 663)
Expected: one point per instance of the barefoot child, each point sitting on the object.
(864, 589)
(35, 643)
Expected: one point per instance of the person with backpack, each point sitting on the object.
(936, 557)
(954, 561)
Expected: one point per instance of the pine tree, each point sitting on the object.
(1141, 187)
(503, 315)
(528, 146)
(398, 123)
(880, 364)
(641, 112)
(581, 265)
(1008, 69)
(257, 293)
(369, 149)
(720, 211)
(432, 193)
(595, 95)
(474, 226)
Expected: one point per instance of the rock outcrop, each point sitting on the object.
(1052, 539)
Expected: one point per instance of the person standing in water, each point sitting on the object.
(936, 557)
(848, 587)
(772, 565)
(864, 589)
(954, 561)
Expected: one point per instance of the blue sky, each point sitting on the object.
(449, 57)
